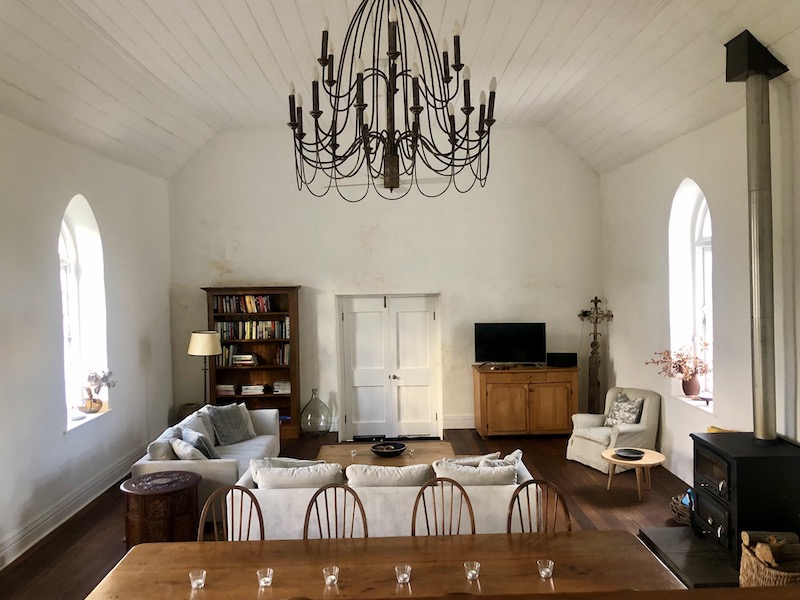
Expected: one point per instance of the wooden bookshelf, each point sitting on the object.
(258, 329)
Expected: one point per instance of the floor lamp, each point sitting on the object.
(205, 344)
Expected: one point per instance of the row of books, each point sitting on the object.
(231, 358)
(282, 387)
(243, 303)
(253, 330)
(229, 389)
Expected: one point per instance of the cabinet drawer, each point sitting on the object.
(510, 377)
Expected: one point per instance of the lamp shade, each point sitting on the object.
(204, 343)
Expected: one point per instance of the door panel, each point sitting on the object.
(550, 408)
(391, 367)
(507, 408)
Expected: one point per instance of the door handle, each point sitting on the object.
(393, 377)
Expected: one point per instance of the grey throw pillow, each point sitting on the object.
(201, 442)
(186, 451)
(229, 424)
(624, 410)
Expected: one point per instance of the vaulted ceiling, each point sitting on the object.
(148, 82)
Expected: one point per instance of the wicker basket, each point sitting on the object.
(680, 512)
(755, 573)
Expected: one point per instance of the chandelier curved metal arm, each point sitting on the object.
(394, 116)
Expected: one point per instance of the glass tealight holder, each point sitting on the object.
(472, 570)
(545, 567)
(264, 577)
(197, 578)
(402, 573)
(331, 575)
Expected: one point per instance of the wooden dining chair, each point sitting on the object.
(537, 505)
(335, 511)
(231, 512)
(445, 507)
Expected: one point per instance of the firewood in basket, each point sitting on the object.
(751, 538)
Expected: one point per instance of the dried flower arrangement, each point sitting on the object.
(681, 364)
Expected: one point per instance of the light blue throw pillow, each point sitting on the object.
(201, 442)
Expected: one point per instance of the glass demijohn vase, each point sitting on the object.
(316, 417)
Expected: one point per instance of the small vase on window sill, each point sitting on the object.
(90, 404)
(691, 387)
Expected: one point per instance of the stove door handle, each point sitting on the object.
(722, 486)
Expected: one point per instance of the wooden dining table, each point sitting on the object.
(585, 561)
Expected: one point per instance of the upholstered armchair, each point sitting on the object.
(590, 434)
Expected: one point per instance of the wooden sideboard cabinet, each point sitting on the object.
(524, 400)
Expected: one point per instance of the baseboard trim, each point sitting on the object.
(22, 539)
(459, 421)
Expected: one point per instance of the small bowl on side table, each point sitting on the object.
(388, 449)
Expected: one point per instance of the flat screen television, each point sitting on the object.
(510, 343)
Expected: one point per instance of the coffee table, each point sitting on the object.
(424, 453)
(651, 458)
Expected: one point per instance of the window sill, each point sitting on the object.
(704, 403)
(75, 418)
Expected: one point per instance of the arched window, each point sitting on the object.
(690, 275)
(83, 302)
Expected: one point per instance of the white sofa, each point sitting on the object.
(590, 436)
(388, 509)
(234, 459)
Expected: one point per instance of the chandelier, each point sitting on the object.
(386, 114)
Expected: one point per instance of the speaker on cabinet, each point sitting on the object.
(562, 359)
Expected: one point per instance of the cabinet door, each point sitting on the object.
(507, 408)
(550, 408)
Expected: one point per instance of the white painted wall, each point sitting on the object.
(636, 202)
(48, 474)
(527, 247)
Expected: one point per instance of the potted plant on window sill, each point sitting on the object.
(684, 364)
(94, 383)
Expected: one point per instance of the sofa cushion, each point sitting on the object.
(384, 476)
(280, 462)
(261, 445)
(248, 420)
(509, 459)
(599, 435)
(201, 442)
(186, 451)
(199, 422)
(161, 447)
(229, 424)
(468, 475)
(472, 461)
(624, 410)
(314, 476)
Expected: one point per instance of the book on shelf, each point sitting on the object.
(285, 418)
(244, 360)
(282, 387)
(224, 389)
(252, 390)
(242, 303)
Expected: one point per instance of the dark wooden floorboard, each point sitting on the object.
(70, 562)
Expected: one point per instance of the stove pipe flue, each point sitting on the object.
(749, 61)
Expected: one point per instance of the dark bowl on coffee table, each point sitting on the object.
(389, 449)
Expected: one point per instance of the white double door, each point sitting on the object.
(391, 364)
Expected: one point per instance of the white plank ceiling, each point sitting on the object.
(148, 82)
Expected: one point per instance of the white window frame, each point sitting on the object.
(690, 277)
(83, 305)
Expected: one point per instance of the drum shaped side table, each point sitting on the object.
(161, 507)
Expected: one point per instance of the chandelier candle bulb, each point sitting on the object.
(492, 89)
(299, 102)
(446, 62)
(292, 113)
(393, 33)
(326, 25)
(330, 81)
(456, 46)
(482, 113)
(467, 100)
(415, 83)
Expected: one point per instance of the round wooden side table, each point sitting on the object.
(161, 507)
(650, 458)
